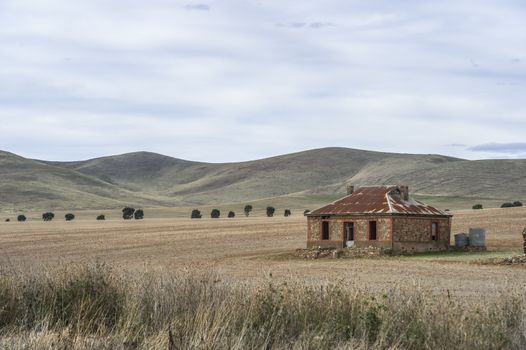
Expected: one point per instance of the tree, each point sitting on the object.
(215, 214)
(196, 214)
(248, 209)
(517, 204)
(70, 217)
(101, 217)
(21, 218)
(507, 205)
(306, 211)
(139, 214)
(7, 220)
(477, 206)
(48, 216)
(287, 213)
(127, 213)
(270, 211)
(231, 214)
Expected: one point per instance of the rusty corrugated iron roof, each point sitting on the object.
(378, 200)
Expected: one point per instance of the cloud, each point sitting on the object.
(312, 25)
(197, 7)
(504, 148)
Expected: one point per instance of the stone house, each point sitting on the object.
(382, 217)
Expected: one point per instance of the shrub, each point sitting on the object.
(215, 214)
(231, 214)
(248, 209)
(101, 217)
(270, 211)
(7, 220)
(517, 204)
(139, 214)
(306, 211)
(287, 213)
(21, 218)
(127, 213)
(507, 205)
(196, 214)
(477, 206)
(48, 216)
(70, 217)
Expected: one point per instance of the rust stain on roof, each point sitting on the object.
(378, 200)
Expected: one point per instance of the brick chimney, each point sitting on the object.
(404, 192)
(350, 190)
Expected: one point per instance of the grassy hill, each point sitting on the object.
(297, 180)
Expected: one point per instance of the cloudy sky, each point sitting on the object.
(230, 80)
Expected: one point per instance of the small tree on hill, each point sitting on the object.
(101, 217)
(48, 216)
(287, 213)
(477, 206)
(21, 218)
(70, 217)
(231, 214)
(215, 214)
(507, 205)
(127, 213)
(517, 204)
(270, 211)
(196, 214)
(248, 209)
(139, 214)
(7, 220)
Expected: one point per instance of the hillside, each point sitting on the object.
(149, 179)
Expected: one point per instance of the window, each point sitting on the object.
(349, 231)
(372, 230)
(325, 230)
(434, 231)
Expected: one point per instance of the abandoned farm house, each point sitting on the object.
(381, 217)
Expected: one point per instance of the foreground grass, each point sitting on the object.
(94, 307)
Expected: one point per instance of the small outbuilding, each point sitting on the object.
(381, 217)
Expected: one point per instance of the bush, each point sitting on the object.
(127, 213)
(248, 209)
(21, 218)
(139, 214)
(70, 217)
(7, 220)
(507, 205)
(306, 211)
(215, 214)
(287, 213)
(270, 211)
(477, 206)
(231, 214)
(517, 204)
(101, 217)
(196, 214)
(48, 216)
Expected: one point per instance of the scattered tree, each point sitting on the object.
(270, 211)
(215, 214)
(248, 209)
(101, 217)
(287, 213)
(7, 220)
(196, 214)
(517, 204)
(507, 205)
(139, 214)
(477, 206)
(21, 218)
(306, 211)
(70, 217)
(231, 214)
(48, 216)
(127, 213)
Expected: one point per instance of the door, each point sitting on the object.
(349, 234)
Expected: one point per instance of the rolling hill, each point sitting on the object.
(153, 180)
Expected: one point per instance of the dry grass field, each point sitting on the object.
(252, 249)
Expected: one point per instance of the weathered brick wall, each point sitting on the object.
(419, 229)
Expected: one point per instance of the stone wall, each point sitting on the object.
(413, 234)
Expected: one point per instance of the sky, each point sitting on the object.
(234, 80)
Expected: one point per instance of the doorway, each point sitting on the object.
(349, 234)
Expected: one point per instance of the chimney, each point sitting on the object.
(404, 191)
(350, 190)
